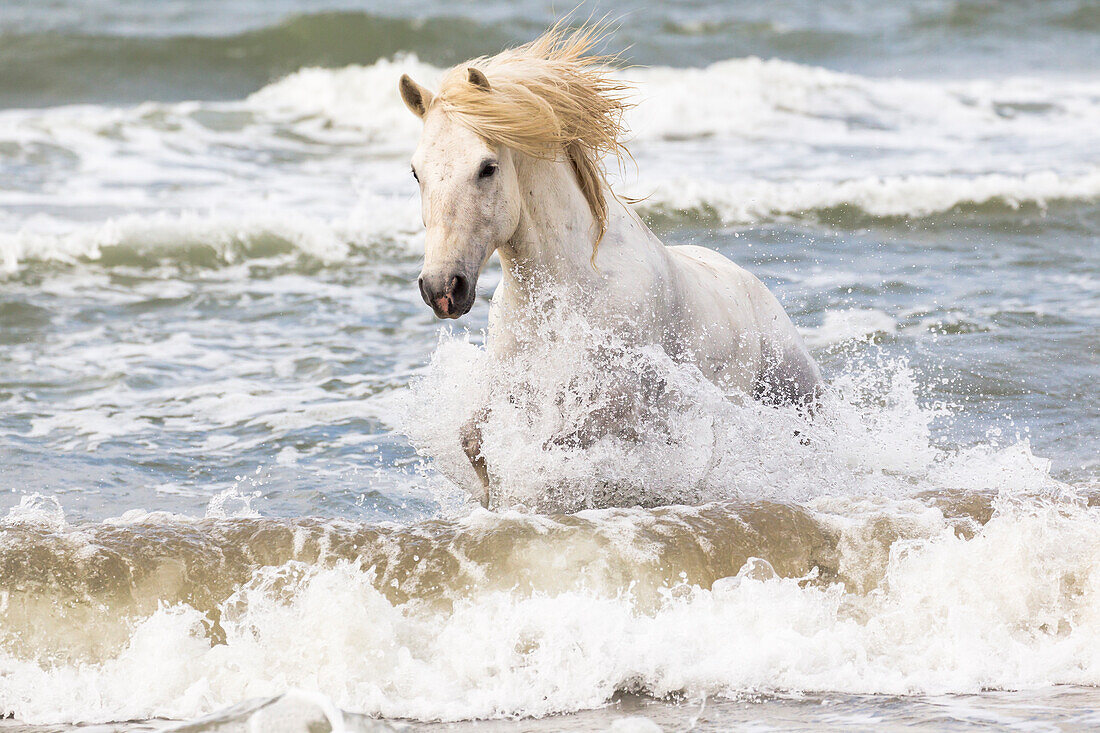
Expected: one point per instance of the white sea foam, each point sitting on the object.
(929, 605)
(226, 239)
(746, 139)
(232, 503)
(349, 101)
(36, 510)
(894, 196)
(738, 97)
(839, 326)
(1016, 605)
(683, 440)
(188, 237)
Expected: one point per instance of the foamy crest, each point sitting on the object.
(232, 503)
(36, 510)
(839, 326)
(771, 99)
(889, 196)
(209, 239)
(1013, 604)
(743, 140)
(356, 98)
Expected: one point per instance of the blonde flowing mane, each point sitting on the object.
(549, 99)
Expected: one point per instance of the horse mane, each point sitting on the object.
(550, 99)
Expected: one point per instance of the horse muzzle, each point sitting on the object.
(450, 294)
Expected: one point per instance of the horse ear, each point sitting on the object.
(478, 79)
(416, 97)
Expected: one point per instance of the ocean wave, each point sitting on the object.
(194, 240)
(190, 240)
(500, 615)
(186, 239)
(67, 66)
(107, 54)
(852, 553)
(774, 140)
(854, 202)
(754, 98)
(768, 98)
(390, 224)
(840, 326)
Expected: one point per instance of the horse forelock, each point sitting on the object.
(551, 98)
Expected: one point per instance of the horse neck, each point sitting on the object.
(553, 242)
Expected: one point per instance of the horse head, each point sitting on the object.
(470, 199)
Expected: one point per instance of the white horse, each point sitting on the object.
(509, 162)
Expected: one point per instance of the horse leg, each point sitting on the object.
(470, 437)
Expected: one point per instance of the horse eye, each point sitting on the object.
(487, 170)
(415, 176)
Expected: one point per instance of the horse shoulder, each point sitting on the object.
(715, 277)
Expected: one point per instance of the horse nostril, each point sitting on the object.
(423, 291)
(459, 288)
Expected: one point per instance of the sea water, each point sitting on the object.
(233, 492)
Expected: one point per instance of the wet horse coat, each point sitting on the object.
(508, 162)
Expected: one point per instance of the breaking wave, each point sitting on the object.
(755, 551)
(335, 142)
(510, 614)
(854, 202)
